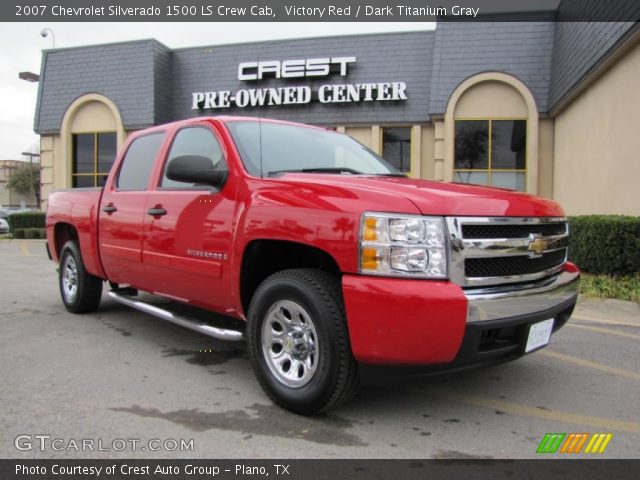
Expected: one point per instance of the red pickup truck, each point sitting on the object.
(316, 251)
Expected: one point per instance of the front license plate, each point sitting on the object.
(539, 335)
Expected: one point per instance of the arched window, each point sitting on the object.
(491, 133)
(92, 131)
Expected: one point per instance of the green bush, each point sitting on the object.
(605, 286)
(36, 233)
(605, 244)
(18, 233)
(26, 220)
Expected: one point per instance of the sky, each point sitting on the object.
(21, 48)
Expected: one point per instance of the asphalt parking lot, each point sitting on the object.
(121, 374)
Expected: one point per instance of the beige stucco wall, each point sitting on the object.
(361, 134)
(54, 171)
(597, 144)
(545, 158)
(491, 100)
(427, 150)
(93, 116)
(439, 144)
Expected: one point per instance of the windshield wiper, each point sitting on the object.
(315, 170)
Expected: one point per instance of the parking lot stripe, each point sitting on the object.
(24, 249)
(589, 364)
(527, 411)
(605, 330)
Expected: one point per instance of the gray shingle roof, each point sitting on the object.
(152, 84)
(579, 48)
(124, 73)
(521, 49)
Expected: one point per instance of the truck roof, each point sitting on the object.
(220, 118)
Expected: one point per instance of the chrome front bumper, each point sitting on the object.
(516, 300)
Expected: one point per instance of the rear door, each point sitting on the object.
(122, 211)
(188, 227)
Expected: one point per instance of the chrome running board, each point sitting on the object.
(183, 321)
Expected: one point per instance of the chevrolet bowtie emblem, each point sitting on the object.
(537, 245)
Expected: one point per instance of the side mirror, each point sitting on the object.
(195, 169)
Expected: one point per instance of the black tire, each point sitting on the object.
(332, 377)
(84, 295)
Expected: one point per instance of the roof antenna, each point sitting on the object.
(260, 124)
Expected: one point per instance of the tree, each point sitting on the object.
(25, 181)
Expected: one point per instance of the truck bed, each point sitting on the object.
(77, 207)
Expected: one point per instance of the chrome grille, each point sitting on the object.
(516, 265)
(503, 250)
(512, 231)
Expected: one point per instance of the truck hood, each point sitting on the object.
(439, 198)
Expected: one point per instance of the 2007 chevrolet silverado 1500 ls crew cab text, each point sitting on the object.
(315, 250)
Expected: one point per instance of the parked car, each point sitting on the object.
(5, 212)
(23, 210)
(317, 251)
(4, 226)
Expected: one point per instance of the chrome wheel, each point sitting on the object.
(69, 278)
(290, 344)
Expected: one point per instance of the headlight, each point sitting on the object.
(403, 245)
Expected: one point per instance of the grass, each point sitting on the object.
(605, 286)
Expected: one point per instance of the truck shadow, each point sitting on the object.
(416, 398)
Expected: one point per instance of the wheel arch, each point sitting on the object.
(62, 233)
(262, 258)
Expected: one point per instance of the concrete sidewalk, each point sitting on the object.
(607, 310)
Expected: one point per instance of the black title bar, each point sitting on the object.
(316, 10)
(544, 469)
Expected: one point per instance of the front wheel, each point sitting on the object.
(81, 292)
(299, 343)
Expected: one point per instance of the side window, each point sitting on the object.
(138, 162)
(194, 141)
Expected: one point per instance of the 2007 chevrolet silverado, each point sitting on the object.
(315, 250)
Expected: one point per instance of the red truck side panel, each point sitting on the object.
(326, 217)
(404, 321)
(121, 236)
(186, 251)
(77, 208)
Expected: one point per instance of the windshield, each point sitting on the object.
(292, 148)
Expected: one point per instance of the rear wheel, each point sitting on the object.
(299, 343)
(81, 292)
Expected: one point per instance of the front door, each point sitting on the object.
(188, 228)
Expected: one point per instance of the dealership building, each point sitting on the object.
(545, 107)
